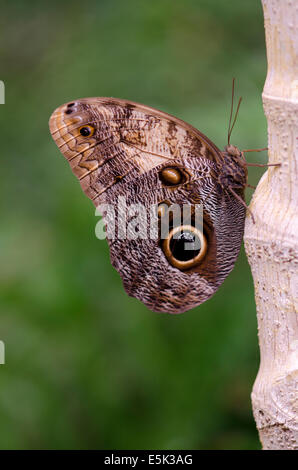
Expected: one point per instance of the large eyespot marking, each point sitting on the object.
(171, 176)
(185, 247)
(86, 131)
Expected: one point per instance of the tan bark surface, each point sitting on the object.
(272, 242)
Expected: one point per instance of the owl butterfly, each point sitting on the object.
(120, 148)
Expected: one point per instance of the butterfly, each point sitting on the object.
(118, 148)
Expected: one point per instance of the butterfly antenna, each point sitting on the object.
(234, 121)
(231, 113)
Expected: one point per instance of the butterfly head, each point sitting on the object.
(233, 151)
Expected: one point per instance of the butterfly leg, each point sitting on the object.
(263, 164)
(255, 150)
(258, 164)
(242, 202)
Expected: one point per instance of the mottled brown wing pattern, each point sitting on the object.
(127, 147)
(145, 271)
(131, 138)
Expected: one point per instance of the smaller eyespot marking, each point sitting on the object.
(86, 131)
(118, 178)
(171, 176)
(69, 110)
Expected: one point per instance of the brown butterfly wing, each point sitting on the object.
(131, 138)
(145, 271)
(129, 145)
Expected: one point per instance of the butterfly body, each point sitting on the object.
(118, 148)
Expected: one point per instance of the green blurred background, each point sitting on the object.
(87, 366)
